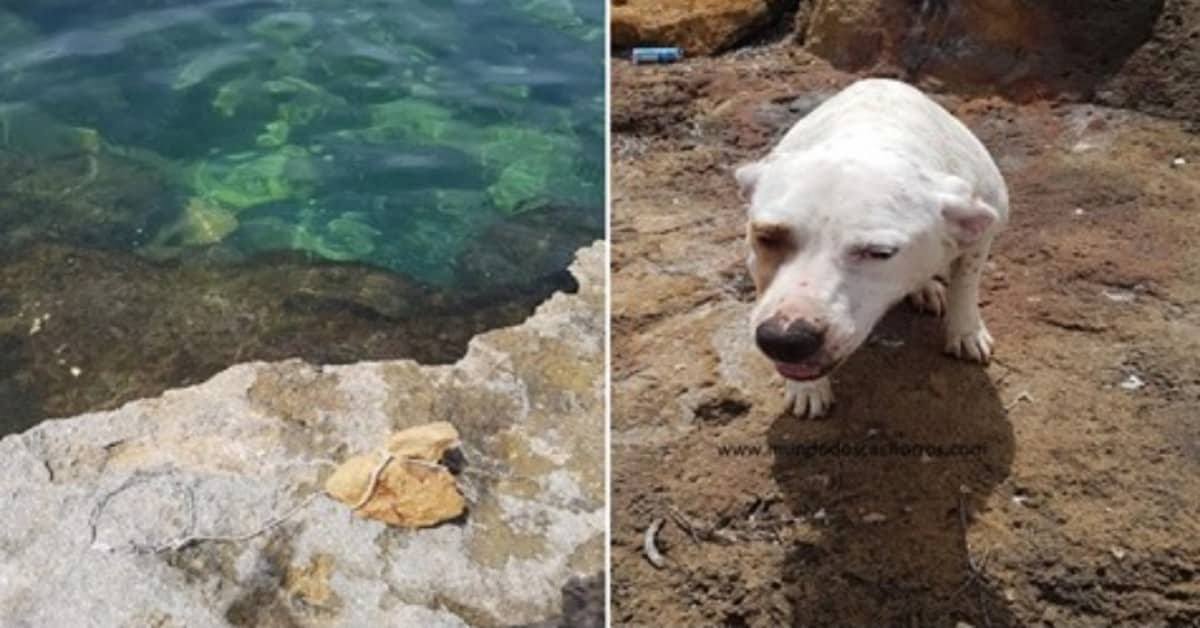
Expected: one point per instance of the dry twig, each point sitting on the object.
(1021, 396)
(652, 554)
(373, 481)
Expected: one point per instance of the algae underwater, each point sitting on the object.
(187, 185)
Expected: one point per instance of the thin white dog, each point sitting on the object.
(876, 194)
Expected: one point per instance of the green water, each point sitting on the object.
(395, 134)
(189, 185)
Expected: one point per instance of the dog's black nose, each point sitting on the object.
(793, 342)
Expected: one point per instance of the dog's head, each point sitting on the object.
(837, 239)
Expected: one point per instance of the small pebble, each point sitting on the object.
(874, 517)
(1078, 211)
(886, 342)
(1118, 553)
(1178, 162)
(820, 515)
(1120, 296)
(76, 371)
(1133, 382)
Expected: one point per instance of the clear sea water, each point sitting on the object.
(197, 164)
(386, 132)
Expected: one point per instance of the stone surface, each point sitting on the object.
(700, 27)
(203, 507)
(1163, 76)
(1026, 50)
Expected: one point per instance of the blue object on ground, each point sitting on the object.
(657, 55)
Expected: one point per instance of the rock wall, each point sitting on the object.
(202, 507)
(1023, 49)
(1163, 76)
(700, 27)
(1141, 55)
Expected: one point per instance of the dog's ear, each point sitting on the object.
(747, 177)
(967, 216)
(968, 219)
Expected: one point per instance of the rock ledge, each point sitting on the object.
(202, 507)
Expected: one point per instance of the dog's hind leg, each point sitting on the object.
(811, 399)
(966, 335)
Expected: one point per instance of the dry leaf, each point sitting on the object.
(424, 442)
(408, 493)
(404, 487)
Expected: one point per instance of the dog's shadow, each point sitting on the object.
(888, 485)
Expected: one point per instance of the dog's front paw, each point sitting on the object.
(809, 400)
(974, 345)
(930, 298)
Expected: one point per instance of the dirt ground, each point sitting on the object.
(1067, 491)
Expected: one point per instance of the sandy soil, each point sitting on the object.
(1069, 487)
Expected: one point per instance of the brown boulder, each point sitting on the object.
(1021, 49)
(1163, 76)
(700, 27)
(856, 34)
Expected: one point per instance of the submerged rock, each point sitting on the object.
(285, 27)
(559, 15)
(220, 61)
(203, 507)
(202, 223)
(519, 250)
(249, 179)
(179, 323)
(534, 169)
(348, 238)
(418, 121)
(31, 132)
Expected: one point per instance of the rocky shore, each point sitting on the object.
(202, 507)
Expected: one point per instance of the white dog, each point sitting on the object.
(876, 194)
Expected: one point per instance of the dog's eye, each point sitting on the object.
(874, 252)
